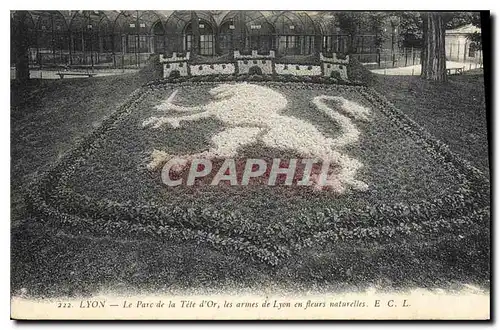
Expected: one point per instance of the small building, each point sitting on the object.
(458, 46)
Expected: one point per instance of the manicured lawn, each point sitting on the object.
(47, 117)
(49, 261)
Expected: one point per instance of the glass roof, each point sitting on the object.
(130, 21)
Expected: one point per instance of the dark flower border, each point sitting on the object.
(467, 210)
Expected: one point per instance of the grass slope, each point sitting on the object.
(47, 117)
(453, 112)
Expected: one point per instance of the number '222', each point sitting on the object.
(64, 305)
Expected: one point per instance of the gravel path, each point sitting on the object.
(415, 70)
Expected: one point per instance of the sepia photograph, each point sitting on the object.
(250, 164)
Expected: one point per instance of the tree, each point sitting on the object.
(433, 51)
(427, 30)
(461, 18)
(20, 45)
(378, 24)
(350, 22)
(475, 37)
(353, 23)
(410, 29)
(195, 28)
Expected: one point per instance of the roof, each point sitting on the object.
(466, 29)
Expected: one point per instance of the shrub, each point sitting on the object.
(357, 72)
(153, 69)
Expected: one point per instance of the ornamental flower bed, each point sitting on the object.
(398, 181)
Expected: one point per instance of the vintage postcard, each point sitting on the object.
(243, 164)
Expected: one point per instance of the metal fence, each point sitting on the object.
(465, 53)
(40, 59)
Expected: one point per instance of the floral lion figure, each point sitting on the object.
(253, 113)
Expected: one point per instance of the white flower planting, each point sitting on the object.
(334, 64)
(208, 69)
(168, 68)
(350, 133)
(253, 113)
(298, 70)
(262, 61)
(265, 65)
(175, 63)
(334, 59)
(255, 54)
